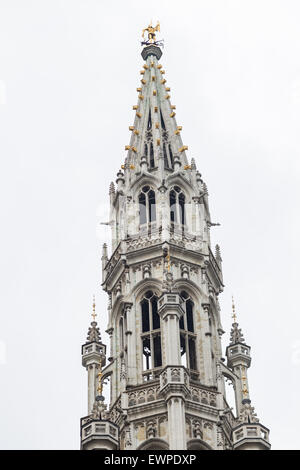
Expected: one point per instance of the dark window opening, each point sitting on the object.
(173, 214)
(151, 341)
(145, 316)
(146, 150)
(162, 121)
(177, 206)
(189, 315)
(148, 294)
(171, 156)
(149, 125)
(157, 351)
(147, 206)
(165, 156)
(181, 200)
(152, 163)
(155, 316)
(192, 354)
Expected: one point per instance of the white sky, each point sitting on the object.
(68, 74)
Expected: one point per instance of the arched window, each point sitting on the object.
(151, 336)
(177, 206)
(187, 335)
(147, 206)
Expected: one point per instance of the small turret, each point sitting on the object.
(93, 353)
(249, 434)
(97, 431)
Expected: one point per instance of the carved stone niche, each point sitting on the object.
(185, 271)
(197, 429)
(146, 271)
(151, 428)
(132, 399)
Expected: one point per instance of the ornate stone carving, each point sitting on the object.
(184, 271)
(151, 428)
(247, 414)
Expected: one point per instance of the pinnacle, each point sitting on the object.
(218, 253)
(111, 188)
(236, 335)
(94, 334)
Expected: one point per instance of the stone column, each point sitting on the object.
(92, 385)
(170, 311)
(176, 423)
(162, 213)
(206, 341)
(174, 378)
(131, 344)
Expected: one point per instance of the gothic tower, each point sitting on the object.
(166, 370)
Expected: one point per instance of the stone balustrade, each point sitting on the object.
(105, 432)
(250, 436)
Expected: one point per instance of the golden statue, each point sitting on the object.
(151, 32)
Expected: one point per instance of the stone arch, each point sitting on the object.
(182, 183)
(198, 444)
(154, 443)
(146, 284)
(191, 287)
(145, 179)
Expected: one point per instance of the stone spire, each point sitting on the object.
(154, 132)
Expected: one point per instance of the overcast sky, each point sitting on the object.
(68, 77)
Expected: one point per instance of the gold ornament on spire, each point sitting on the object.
(168, 260)
(94, 314)
(99, 375)
(151, 32)
(233, 311)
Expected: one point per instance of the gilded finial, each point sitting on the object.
(151, 32)
(94, 314)
(168, 260)
(99, 375)
(233, 311)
